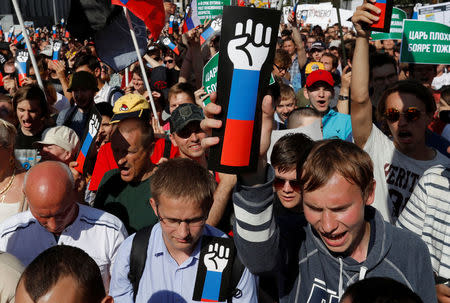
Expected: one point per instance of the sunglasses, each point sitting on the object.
(411, 114)
(279, 183)
(168, 61)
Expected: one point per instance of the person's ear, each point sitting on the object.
(108, 299)
(371, 197)
(153, 205)
(97, 72)
(172, 139)
(305, 93)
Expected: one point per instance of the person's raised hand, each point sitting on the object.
(364, 16)
(346, 77)
(209, 123)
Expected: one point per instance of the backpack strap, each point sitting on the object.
(236, 275)
(167, 148)
(138, 257)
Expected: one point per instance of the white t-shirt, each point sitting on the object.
(396, 174)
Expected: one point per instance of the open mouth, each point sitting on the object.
(334, 240)
(405, 136)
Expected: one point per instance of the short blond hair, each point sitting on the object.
(8, 134)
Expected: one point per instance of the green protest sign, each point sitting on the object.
(209, 9)
(209, 77)
(425, 42)
(396, 26)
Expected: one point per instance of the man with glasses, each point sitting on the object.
(182, 196)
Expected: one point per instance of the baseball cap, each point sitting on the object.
(317, 45)
(82, 80)
(319, 75)
(313, 66)
(129, 106)
(184, 114)
(61, 136)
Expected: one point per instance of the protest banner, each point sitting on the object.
(209, 9)
(209, 78)
(247, 49)
(425, 42)
(86, 156)
(56, 49)
(436, 12)
(22, 64)
(396, 31)
(315, 14)
(384, 22)
(211, 30)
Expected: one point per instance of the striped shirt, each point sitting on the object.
(427, 214)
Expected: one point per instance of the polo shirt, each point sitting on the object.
(96, 232)
(336, 125)
(163, 280)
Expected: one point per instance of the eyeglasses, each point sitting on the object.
(281, 68)
(175, 223)
(280, 182)
(168, 61)
(411, 114)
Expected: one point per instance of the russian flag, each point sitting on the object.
(167, 42)
(149, 11)
(1, 31)
(10, 33)
(22, 69)
(36, 33)
(54, 31)
(67, 34)
(191, 19)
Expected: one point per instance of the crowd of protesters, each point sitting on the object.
(362, 215)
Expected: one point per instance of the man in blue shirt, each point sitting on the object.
(182, 197)
(319, 91)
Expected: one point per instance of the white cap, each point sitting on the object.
(61, 136)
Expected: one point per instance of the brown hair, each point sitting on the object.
(411, 87)
(184, 178)
(182, 87)
(286, 92)
(31, 92)
(282, 58)
(336, 156)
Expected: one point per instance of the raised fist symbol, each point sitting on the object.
(216, 24)
(217, 257)
(166, 41)
(248, 51)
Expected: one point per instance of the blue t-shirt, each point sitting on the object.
(336, 125)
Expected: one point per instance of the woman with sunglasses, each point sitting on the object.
(405, 108)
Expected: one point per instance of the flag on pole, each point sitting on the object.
(171, 19)
(1, 31)
(149, 11)
(18, 39)
(167, 42)
(191, 19)
(10, 33)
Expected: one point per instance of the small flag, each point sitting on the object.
(54, 31)
(215, 26)
(67, 34)
(36, 33)
(1, 31)
(191, 19)
(56, 48)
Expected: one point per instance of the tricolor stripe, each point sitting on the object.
(206, 34)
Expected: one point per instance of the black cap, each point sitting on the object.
(184, 114)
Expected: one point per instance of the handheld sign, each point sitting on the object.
(10, 33)
(167, 42)
(56, 48)
(54, 31)
(18, 39)
(88, 147)
(384, 23)
(171, 18)
(209, 78)
(396, 30)
(425, 42)
(22, 65)
(213, 28)
(247, 49)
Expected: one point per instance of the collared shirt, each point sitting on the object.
(336, 125)
(163, 280)
(96, 232)
(296, 76)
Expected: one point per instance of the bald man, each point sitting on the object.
(55, 218)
